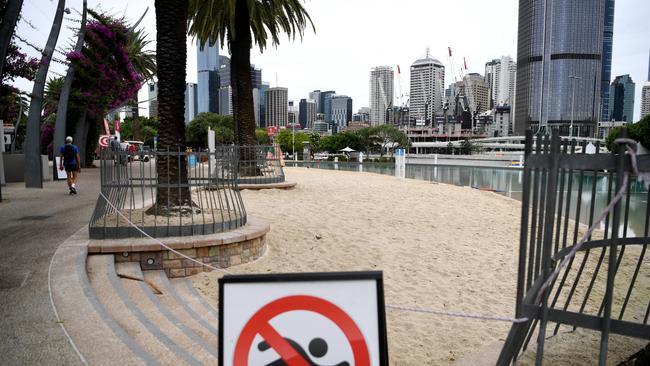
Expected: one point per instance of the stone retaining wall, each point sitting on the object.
(231, 248)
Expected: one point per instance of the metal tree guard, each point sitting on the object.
(260, 164)
(131, 185)
(560, 189)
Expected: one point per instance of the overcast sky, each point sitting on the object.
(354, 35)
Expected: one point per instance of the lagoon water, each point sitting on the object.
(508, 182)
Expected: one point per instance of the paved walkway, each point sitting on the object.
(33, 222)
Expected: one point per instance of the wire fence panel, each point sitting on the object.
(168, 193)
(260, 164)
(580, 264)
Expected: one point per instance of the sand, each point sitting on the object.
(439, 246)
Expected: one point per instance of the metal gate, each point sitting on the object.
(566, 186)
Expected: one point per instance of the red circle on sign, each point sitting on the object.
(259, 324)
(103, 141)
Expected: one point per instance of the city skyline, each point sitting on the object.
(368, 39)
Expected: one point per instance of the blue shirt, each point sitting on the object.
(69, 158)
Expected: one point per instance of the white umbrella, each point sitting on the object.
(348, 149)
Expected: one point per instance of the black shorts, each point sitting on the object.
(71, 168)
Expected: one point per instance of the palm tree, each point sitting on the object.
(171, 57)
(33, 169)
(242, 23)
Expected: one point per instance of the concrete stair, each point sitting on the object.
(152, 315)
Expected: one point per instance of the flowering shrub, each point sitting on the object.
(104, 75)
(18, 64)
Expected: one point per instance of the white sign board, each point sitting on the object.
(400, 164)
(60, 174)
(302, 319)
(211, 148)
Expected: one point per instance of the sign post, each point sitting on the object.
(400, 164)
(211, 151)
(302, 319)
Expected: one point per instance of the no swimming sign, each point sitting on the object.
(306, 319)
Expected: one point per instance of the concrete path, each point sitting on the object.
(33, 222)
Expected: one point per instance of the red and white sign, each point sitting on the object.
(106, 128)
(302, 319)
(104, 140)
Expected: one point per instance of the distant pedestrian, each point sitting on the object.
(71, 162)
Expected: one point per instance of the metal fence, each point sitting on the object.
(203, 198)
(602, 287)
(260, 164)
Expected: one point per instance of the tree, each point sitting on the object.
(639, 131)
(146, 129)
(389, 136)
(262, 136)
(109, 71)
(243, 23)
(171, 57)
(314, 141)
(33, 170)
(197, 129)
(286, 140)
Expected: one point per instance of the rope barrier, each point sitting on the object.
(457, 314)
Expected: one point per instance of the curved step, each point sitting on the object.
(162, 318)
(129, 317)
(92, 331)
(180, 309)
(195, 301)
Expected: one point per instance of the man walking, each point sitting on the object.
(71, 162)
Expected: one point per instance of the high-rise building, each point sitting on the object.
(225, 100)
(341, 111)
(191, 102)
(491, 78)
(207, 58)
(559, 52)
(606, 70)
(477, 91)
(152, 92)
(225, 90)
(263, 88)
(315, 96)
(325, 104)
(621, 96)
(381, 93)
(427, 89)
(500, 75)
(276, 106)
(292, 114)
(645, 99)
(307, 113)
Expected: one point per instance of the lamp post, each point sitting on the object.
(573, 99)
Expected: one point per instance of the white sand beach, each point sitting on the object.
(439, 246)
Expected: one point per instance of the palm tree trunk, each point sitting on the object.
(33, 169)
(242, 88)
(12, 12)
(62, 109)
(171, 55)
